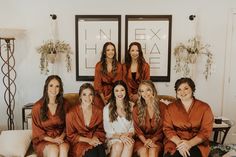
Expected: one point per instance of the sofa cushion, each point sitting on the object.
(15, 142)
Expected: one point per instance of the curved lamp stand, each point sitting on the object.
(6, 54)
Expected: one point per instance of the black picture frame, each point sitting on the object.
(91, 32)
(153, 32)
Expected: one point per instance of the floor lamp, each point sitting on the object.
(9, 76)
(7, 48)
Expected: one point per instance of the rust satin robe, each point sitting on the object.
(52, 127)
(197, 122)
(103, 83)
(75, 127)
(133, 84)
(147, 130)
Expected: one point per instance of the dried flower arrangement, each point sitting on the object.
(48, 52)
(188, 53)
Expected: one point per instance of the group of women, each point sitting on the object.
(129, 119)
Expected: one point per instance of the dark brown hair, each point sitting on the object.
(141, 59)
(103, 59)
(59, 99)
(187, 80)
(126, 104)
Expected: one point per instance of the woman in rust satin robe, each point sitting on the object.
(107, 71)
(48, 120)
(187, 124)
(147, 115)
(84, 126)
(135, 69)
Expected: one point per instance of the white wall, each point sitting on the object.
(33, 16)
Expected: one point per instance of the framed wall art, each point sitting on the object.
(153, 32)
(91, 32)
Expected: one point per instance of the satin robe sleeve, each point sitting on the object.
(99, 132)
(106, 122)
(137, 129)
(124, 77)
(128, 81)
(98, 78)
(146, 72)
(159, 135)
(168, 127)
(206, 125)
(71, 130)
(38, 132)
(119, 73)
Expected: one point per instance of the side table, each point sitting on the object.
(220, 128)
(26, 112)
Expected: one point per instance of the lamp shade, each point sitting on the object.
(11, 32)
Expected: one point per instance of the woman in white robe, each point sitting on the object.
(118, 123)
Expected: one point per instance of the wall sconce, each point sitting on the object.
(7, 48)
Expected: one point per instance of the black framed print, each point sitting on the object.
(153, 32)
(91, 33)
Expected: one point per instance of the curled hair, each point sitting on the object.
(187, 80)
(59, 99)
(142, 105)
(86, 86)
(126, 104)
(141, 59)
(103, 59)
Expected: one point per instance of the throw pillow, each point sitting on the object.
(15, 142)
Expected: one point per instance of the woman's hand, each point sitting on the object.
(183, 147)
(149, 143)
(184, 152)
(59, 140)
(126, 139)
(94, 141)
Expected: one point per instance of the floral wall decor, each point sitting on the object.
(49, 50)
(188, 54)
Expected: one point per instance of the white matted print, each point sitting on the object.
(92, 31)
(153, 32)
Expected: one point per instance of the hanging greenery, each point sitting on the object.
(49, 50)
(186, 54)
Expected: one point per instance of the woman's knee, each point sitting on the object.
(153, 152)
(117, 147)
(143, 152)
(51, 150)
(64, 147)
(129, 146)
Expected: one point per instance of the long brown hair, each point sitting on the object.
(103, 59)
(126, 104)
(142, 104)
(59, 99)
(141, 59)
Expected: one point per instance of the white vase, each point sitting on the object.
(192, 58)
(52, 57)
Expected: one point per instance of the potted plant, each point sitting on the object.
(49, 50)
(186, 54)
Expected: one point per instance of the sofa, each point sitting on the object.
(18, 142)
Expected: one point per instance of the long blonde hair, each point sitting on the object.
(142, 105)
